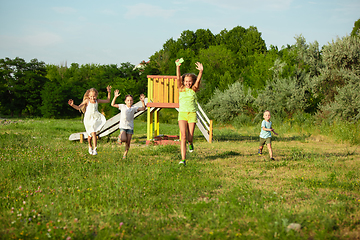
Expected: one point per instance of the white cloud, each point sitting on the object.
(64, 10)
(147, 10)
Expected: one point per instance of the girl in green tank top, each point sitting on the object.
(188, 85)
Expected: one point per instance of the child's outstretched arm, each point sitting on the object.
(274, 131)
(108, 88)
(71, 103)
(199, 67)
(116, 94)
(142, 99)
(178, 75)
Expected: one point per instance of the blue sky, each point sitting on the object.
(118, 31)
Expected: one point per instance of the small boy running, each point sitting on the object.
(265, 134)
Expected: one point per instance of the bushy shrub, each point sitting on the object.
(283, 97)
(234, 101)
(346, 105)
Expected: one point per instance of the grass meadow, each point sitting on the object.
(51, 188)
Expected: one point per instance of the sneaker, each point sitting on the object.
(183, 162)
(272, 159)
(191, 147)
(90, 151)
(259, 152)
(124, 157)
(94, 151)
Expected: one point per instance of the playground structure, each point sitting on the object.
(162, 93)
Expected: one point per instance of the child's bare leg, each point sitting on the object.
(89, 141)
(93, 136)
(191, 128)
(261, 148)
(127, 144)
(183, 129)
(270, 150)
(123, 136)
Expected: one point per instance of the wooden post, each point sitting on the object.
(81, 138)
(211, 131)
(156, 122)
(149, 124)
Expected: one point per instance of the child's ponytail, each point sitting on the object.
(86, 96)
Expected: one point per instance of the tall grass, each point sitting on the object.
(52, 188)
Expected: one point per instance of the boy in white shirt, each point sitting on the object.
(127, 118)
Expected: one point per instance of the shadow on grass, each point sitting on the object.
(227, 154)
(238, 137)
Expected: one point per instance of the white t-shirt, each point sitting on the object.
(127, 116)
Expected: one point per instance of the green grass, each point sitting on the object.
(52, 188)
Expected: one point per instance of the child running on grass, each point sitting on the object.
(265, 134)
(127, 118)
(188, 85)
(93, 119)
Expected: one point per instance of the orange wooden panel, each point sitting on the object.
(171, 91)
(160, 76)
(176, 92)
(167, 91)
(163, 105)
(161, 90)
(156, 90)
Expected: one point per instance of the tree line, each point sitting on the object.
(241, 79)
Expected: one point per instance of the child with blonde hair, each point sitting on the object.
(93, 119)
(188, 85)
(265, 134)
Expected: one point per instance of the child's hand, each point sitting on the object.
(108, 88)
(178, 62)
(71, 102)
(199, 66)
(142, 97)
(116, 93)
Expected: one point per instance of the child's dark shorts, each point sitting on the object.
(265, 140)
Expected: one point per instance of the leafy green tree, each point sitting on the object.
(204, 39)
(356, 29)
(21, 84)
(259, 70)
(217, 61)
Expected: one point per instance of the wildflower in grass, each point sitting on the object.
(24, 202)
(75, 220)
(20, 188)
(68, 238)
(121, 224)
(22, 209)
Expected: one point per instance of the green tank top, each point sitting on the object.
(187, 100)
